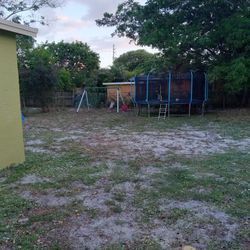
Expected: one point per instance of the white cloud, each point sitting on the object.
(98, 7)
(75, 20)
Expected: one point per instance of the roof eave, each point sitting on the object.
(117, 83)
(17, 28)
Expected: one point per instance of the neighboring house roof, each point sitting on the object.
(117, 83)
(17, 28)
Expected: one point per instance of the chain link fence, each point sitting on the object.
(101, 97)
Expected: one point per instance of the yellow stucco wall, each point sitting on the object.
(11, 135)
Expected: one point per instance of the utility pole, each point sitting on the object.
(113, 53)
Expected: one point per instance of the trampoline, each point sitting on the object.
(173, 88)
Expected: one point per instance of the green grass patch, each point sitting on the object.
(146, 243)
(61, 170)
(113, 206)
(122, 174)
(119, 196)
(12, 207)
(223, 180)
(174, 215)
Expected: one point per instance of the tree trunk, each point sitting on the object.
(224, 102)
(245, 97)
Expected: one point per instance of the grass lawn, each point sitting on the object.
(99, 180)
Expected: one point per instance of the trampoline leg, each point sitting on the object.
(138, 109)
(203, 109)
(148, 110)
(189, 110)
(168, 110)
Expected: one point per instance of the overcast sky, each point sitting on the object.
(75, 20)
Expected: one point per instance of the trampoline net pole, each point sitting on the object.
(169, 91)
(117, 101)
(191, 92)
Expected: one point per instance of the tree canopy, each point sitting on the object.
(38, 75)
(55, 66)
(204, 34)
(22, 11)
(136, 60)
(134, 63)
(77, 58)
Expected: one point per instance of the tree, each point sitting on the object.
(78, 59)
(104, 75)
(137, 62)
(232, 67)
(55, 66)
(133, 63)
(204, 34)
(64, 81)
(181, 29)
(24, 45)
(38, 76)
(130, 64)
(21, 11)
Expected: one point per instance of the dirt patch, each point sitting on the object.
(200, 227)
(148, 171)
(243, 144)
(115, 145)
(126, 187)
(48, 200)
(200, 209)
(118, 228)
(56, 129)
(36, 146)
(34, 142)
(33, 179)
(164, 235)
(2, 179)
(178, 165)
(121, 143)
(91, 197)
(183, 142)
(97, 224)
(208, 175)
(206, 224)
(68, 138)
(39, 150)
(94, 199)
(145, 176)
(201, 190)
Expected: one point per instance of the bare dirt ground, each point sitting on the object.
(119, 142)
(117, 181)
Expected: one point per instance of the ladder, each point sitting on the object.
(163, 111)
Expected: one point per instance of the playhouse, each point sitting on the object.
(126, 90)
(171, 89)
(11, 135)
